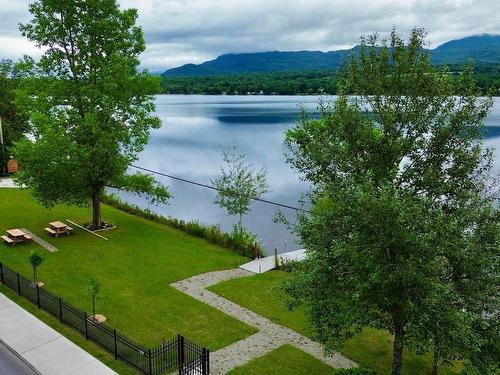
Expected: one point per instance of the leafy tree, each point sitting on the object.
(35, 260)
(94, 288)
(238, 184)
(14, 123)
(89, 106)
(404, 230)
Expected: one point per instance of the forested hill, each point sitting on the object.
(479, 48)
(294, 83)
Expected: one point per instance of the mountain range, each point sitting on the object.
(483, 48)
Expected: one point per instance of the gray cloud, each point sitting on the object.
(182, 31)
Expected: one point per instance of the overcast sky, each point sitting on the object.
(184, 31)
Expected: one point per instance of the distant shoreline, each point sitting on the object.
(269, 95)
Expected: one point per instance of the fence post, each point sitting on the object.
(18, 284)
(37, 295)
(116, 352)
(204, 361)
(208, 361)
(86, 328)
(1, 273)
(150, 364)
(180, 353)
(60, 310)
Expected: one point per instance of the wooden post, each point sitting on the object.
(18, 285)
(255, 250)
(86, 327)
(60, 310)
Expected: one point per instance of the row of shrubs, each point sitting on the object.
(355, 371)
(467, 370)
(238, 240)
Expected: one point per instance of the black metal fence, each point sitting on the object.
(176, 354)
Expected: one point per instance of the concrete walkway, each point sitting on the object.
(269, 337)
(42, 347)
(12, 364)
(266, 264)
(40, 241)
(7, 182)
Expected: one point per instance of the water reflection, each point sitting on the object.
(196, 128)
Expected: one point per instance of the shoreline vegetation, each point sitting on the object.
(316, 82)
(212, 234)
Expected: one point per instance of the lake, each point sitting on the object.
(195, 130)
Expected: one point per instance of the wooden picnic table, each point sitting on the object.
(14, 236)
(15, 233)
(58, 227)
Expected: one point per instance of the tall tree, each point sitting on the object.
(89, 106)
(404, 231)
(14, 123)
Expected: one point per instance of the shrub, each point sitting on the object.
(356, 371)
(241, 242)
(291, 265)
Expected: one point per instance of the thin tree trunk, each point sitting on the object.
(397, 356)
(93, 307)
(435, 365)
(96, 209)
(34, 275)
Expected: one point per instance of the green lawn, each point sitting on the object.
(135, 268)
(371, 349)
(286, 360)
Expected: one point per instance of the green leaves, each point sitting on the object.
(94, 287)
(401, 231)
(239, 183)
(144, 185)
(89, 107)
(35, 259)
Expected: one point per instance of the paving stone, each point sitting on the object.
(269, 337)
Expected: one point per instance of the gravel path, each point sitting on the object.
(269, 337)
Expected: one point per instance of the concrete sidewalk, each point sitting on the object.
(7, 182)
(41, 346)
(266, 264)
(12, 364)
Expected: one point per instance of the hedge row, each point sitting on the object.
(242, 243)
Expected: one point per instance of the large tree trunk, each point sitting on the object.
(96, 209)
(397, 355)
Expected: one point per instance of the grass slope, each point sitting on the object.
(135, 268)
(371, 349)
(286, 360)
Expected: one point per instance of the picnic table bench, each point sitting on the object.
(16, 235)
(58, 227)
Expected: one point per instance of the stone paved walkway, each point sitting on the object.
(269, 337)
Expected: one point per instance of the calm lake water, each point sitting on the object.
(195, 130)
